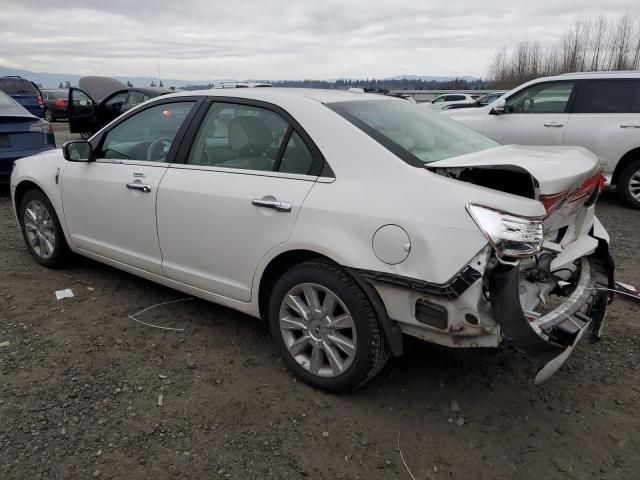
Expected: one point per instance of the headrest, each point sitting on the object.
(249, 135)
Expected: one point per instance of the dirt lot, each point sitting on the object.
(79, 385)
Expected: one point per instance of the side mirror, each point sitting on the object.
(499, 107)
(77, 151)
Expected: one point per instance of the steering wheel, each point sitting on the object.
(158, 149)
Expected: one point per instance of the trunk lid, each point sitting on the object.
(554, 169)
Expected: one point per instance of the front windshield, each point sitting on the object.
(413, 133)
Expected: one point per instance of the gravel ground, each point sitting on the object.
(80, 383)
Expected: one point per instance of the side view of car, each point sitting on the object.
(21, 134)
(24, 92)
(55, 104)
(344, 220)
(599, 111)
(98, 100)
(483, 101)
(443, 101)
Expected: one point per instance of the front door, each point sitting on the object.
(235, 198)
(110, 203)
(536, 115)
(81, 111)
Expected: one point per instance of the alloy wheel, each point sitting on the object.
(48, 116)
(634, 185)
(39, 229)
(318, 330)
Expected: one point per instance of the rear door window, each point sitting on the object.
(17, 86)
(609, 96)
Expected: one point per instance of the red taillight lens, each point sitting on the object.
(588, 186)
(551, 202)
(583, 192)
(61, 103)
(39, 101)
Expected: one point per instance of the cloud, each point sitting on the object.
(203, 39)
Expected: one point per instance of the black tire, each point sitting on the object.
(623, 184)
(372, 350)
(85, 135)
(48, 115)
(61, 254)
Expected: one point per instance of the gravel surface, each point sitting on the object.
(85, 392)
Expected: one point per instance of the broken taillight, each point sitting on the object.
(582, 193)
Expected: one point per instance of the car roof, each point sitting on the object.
(594, 75)
(274, 94)
(154, 90)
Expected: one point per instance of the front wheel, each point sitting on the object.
(325, 328)
(628, 185)
(42, 231)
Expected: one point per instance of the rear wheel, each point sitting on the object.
(42, 231)
(85, 135)
(628, 184)
(48, 116)
(325, 328)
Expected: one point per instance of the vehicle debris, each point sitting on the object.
(132, 316)
(66, 293)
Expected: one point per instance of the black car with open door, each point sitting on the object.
(99, 100)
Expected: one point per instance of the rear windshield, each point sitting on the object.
(5, 100)
(61, 94)
(16, 86)
(410, 131)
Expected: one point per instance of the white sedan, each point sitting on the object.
(344, 220)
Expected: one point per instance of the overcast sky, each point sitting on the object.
(279, 39)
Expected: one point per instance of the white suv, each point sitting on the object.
(599, 111)
(442, 101)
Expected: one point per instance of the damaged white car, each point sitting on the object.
(344, 220)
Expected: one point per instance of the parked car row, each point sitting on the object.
(377, 219)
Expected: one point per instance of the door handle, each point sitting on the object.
(630, 126)
(143, 187)
(274, 204)
(554, 124)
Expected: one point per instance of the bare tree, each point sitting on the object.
(590, 44)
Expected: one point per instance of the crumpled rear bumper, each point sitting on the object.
(551, 338)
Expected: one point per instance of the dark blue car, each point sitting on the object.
(21, 134)
(25, 93)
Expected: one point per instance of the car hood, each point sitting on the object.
(100, 88)
(556, 169)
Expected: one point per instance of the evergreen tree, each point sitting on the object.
(61, 85)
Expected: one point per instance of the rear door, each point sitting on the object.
(245, 174)
(606, 119)
(110, 203)
(82, 112)
(535, 115)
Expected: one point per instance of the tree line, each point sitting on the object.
(371, 83)
(592, 44)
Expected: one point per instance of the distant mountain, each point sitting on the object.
(53, 80)
(428, 78)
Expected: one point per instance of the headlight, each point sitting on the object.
(509, 235)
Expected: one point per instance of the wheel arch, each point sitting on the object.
(626, 159)
(290, 258)
(22, 188)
